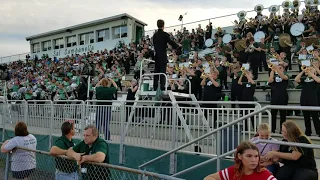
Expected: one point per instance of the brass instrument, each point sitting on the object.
(273, 10)
(204, 75)
(304, 68)
(243, 69)
(286, 4)
(242, 15)
(296, 4)
(227, 64)
(284, 40)
(270, 65)
(308, 3)
(240, 45)
(258, 8)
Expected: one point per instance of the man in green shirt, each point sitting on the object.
(91, 149)
(66, 169)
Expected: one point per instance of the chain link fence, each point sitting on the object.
(29, 164)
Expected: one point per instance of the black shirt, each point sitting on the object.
(279, 94)
(307, 158)
(160, 41)
(309, 92)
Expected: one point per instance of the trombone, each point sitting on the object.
(243, 69)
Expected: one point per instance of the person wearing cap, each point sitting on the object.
(66, 169)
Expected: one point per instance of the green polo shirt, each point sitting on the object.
(105, 93)
(65, 165)
(99, 145)
(64, 143)
(94, 172)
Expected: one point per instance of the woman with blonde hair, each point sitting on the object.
(105, 90)
(247, 166)
(264, 132)
(298, 162)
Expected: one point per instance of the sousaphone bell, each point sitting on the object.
(240, 45)
(284, 38)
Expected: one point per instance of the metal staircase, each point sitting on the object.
(142, 95)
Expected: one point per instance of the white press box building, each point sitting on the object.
(91, 36)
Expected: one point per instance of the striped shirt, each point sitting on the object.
(228, 174)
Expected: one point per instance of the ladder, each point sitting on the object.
(172, 95)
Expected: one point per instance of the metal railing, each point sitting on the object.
(43, 165)
(151, 126)
(228, 21)
(12, 58)
(218, 131)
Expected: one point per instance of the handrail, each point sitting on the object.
(155, 74)
(120, 168)
(142, 62)
(307, 108)
(313, 146)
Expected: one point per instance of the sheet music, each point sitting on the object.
(246, 66)
(306, 63)
(302, 57)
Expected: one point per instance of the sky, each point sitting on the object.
(22, 18)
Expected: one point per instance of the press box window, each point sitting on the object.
(103, 35)
(120, 32)
(86, 38)
(58, 43)
(46, 46)
(36, 48)
(71, 41)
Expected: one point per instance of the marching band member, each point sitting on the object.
(254, 57)
(278, 81)
(236, 89)
(196, 87)
(263, 57)
(287, 51)
(249, 87)
(309, 97)
(211, 92)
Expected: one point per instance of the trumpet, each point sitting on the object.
(204, 75)
(270, 65)
(304, 68)
(243, 69)
(227, 64)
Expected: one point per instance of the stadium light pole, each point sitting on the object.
(181, 19)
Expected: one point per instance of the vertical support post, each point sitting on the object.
(6, 171)
(218, 150)
(26, 106)
(173, 158)
(88, 90)
(51, 123)
(123, 117)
